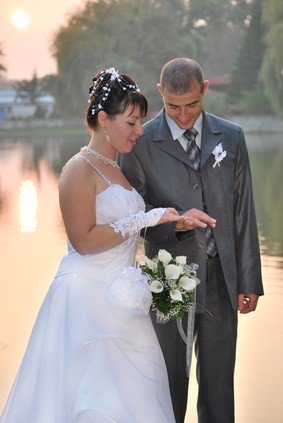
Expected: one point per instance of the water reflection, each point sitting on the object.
(31, 251)
(266, 156)
(28, 206)
(267, 169)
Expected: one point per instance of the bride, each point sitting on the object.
(88, 360)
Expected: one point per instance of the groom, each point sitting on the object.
(198, 163)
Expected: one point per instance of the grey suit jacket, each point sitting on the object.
(163, 174)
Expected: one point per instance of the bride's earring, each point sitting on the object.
(107, 135)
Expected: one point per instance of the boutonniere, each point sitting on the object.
(219, 154)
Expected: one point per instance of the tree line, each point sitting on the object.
(242, 38)
(139, 36)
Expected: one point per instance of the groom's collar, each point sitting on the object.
(177, 132)
(162, 129)
(161, 133)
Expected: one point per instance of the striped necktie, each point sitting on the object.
(193, 152)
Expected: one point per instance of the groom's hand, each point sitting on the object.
(194, 218)
(247, 303)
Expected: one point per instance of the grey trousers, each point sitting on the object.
(215, 346)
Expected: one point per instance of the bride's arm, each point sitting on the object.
(77, 188)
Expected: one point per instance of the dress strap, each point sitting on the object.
(95, 168)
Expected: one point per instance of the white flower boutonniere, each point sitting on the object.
(219, 154)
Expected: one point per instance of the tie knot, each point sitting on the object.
(191, 134)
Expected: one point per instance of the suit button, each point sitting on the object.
(195, 186)
(200, 246)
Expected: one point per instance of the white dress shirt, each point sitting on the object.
(177, 132)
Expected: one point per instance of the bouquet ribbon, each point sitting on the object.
(189, 337)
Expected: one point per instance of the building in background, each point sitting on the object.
(12, 107)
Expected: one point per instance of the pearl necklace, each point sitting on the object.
(100, 156)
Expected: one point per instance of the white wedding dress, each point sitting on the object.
(88, 361)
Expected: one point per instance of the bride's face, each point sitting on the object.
(125, 129)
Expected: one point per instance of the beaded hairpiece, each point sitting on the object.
(107, 87)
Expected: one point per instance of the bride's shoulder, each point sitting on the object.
(74, 164)
(75, 171)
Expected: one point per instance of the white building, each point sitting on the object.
(12, 107)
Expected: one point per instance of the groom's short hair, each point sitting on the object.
(179, 75)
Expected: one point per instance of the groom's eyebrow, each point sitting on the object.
(193, 103)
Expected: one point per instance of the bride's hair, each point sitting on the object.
(113, 93)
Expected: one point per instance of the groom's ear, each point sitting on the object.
(205, 86)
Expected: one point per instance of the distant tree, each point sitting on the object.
(246, 71)
(272, 68)
(28, 90)
(135, 36)
(139, 36)
(255, 102)
(48, 84)
(217, 28)
(217, 12)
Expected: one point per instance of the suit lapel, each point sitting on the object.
(163, 138)
(210, 139)
(211, 135)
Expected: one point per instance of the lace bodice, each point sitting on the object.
(123, 210)
(112, 205)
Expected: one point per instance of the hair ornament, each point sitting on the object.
(114, 73)
(108, 85)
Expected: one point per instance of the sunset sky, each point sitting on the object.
(28, 49)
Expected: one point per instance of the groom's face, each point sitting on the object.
(185, 108)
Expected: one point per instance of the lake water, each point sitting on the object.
(33, 241)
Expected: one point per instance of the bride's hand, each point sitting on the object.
(171, 215)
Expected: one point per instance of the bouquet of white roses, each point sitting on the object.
(172, 282)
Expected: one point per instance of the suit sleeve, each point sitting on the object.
(132, 169)
(246, 235)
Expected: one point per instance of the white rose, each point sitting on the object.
(172, 271)
(150, 263)
(189, 284)
(176, 295)
(181, 260)
(164, 257)
(156, 286)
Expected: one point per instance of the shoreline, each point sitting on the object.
(37, 128)
(22, 128)
(258, 124)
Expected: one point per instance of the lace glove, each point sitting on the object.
(135, 222)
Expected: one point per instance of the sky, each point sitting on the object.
(28, 49)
